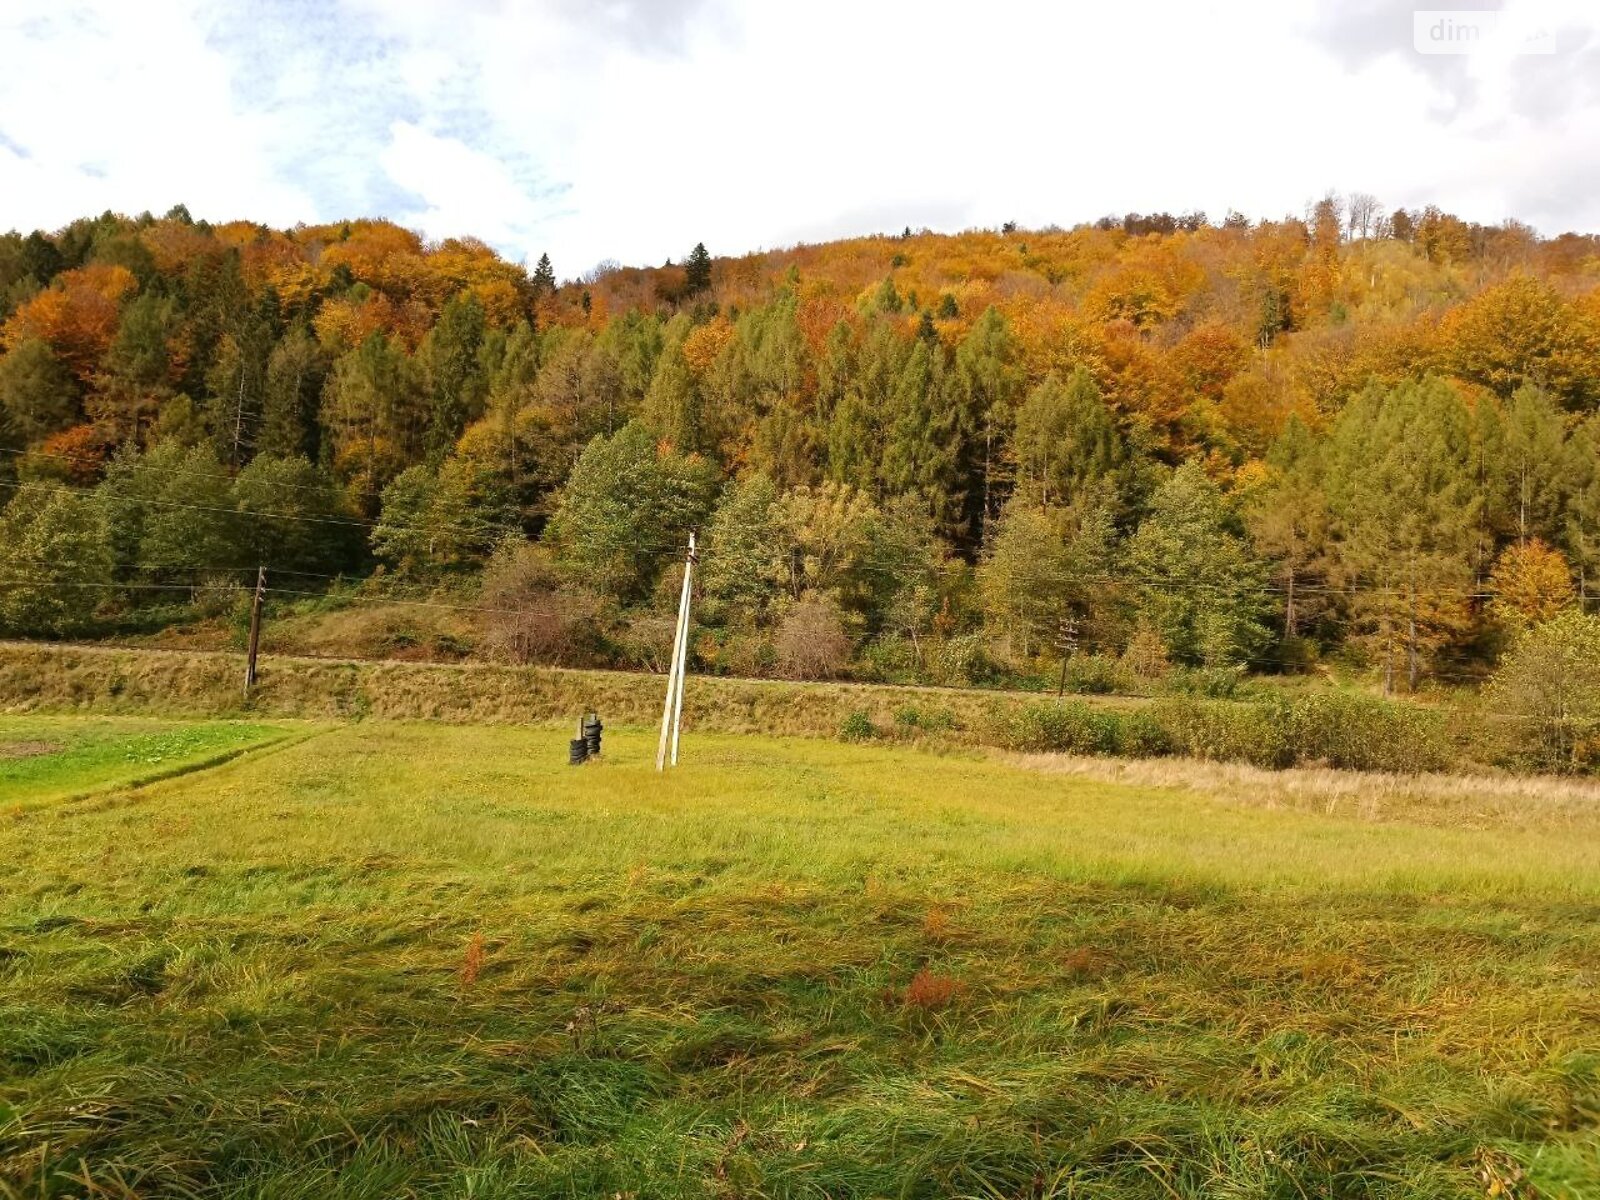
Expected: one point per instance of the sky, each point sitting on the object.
(629, 130)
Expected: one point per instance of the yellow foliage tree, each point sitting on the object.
(1531, 582)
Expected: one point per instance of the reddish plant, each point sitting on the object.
(472, 961)
(1083, 963)
(929, 991)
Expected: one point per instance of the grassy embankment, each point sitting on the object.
(412, 959)
(39, 677)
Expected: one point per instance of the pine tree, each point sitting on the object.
(853, 443)
(373, 414)
(1580, 531)
(674, 408)
(139, 368)
(921, 447)
(1528, 478)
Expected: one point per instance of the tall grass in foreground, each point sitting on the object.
(436, 961)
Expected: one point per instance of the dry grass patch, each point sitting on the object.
(1457, 801)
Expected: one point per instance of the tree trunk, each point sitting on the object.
(1411, 644)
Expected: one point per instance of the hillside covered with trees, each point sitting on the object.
(1154, 442)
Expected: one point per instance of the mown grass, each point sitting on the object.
(406, 959)
(48, 758)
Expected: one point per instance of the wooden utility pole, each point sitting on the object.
(255, 629)
(672, 710)
(1067, 640)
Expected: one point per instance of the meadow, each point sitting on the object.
(386, 958)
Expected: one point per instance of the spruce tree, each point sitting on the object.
(296, 370)
(38, 396)
(544, 277)
(451, 371)
(697, 271)
(1068, 447)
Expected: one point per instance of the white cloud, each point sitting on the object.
(125, 106)
(465, 192)
(631, 129)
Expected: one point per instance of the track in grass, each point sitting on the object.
(44, 758)
(424, 960)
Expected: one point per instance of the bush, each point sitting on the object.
(1094, 675)
(961, 661)
(1140, 734)
(1210, 683)
(1548, 692)
(1226, 731)
(1145, 657)
(890, 659)
(1070, 727)
(532, 616)
(1363, 733)
(912, 720)
(811, 642)
(858, 727)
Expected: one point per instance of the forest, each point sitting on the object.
(1355, 438)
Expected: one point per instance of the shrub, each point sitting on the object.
(1548, 690)
(1140, 734)
(1093, 674)
(531, 616)
(1364, 733)
(1228, 731)
(912, 720)
(1145, 657)
(1070, 727)
(858, 727)
(645, 642)
(750, 655)
(1210, 683)
(889, 659)
(961, 661)
(811, 642)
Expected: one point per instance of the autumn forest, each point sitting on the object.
(1358, 438)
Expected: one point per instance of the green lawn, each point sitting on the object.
(53, 758)
(415, 960)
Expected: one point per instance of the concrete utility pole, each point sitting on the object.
(255, 629)
(672, 711)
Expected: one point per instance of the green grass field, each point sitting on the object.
(45, 758)
(373, 960)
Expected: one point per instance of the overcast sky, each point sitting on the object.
(630, 130)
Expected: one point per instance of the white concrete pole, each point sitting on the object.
(680, 635)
